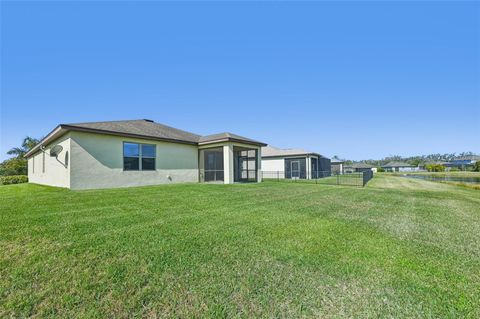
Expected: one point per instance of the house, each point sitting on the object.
(463, 162)
(399, 167)
(140, 152)
(359, 167)
(293, 163)
(336, 166)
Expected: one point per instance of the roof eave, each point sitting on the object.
(297, 154)
(64, 128)
(106, 132)
(61, 129)
(229, 139)
(57, 132)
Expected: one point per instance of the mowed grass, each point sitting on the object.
(396, 248)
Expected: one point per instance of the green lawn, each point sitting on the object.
(457, 174)
(396, 248)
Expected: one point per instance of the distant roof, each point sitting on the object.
(468, 158)
(270, 151)
(397, 164)
(336, 161)
(360, 165)
(143, 128)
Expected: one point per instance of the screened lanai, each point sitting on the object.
(229, 163)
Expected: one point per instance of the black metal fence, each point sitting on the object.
(359, 179)
(367, 175)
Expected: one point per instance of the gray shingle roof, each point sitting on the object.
(468, 158)
(396, 164)
(140, 127)
(225, 136)
(147, 129)
(359, 165)
(270, 151)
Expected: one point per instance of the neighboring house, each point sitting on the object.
(399, 167)
(359, 167)
(336, 166)
(463, 162)
(293, 163)
(140, 152)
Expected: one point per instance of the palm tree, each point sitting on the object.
(27, 144)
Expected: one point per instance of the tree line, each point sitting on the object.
(412, 160)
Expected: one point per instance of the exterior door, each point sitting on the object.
(213, 161)
(295, 169)
(245, 166)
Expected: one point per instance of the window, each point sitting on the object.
(131, 157)
(138, 157)
(148, 157)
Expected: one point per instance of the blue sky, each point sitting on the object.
(355, 79)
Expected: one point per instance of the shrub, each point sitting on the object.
(380, 170)
(454, 169)
(13, 179)
(13, 166)
(435, 168)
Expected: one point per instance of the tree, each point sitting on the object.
(18, 164)
(416, 161)
(27, 144)
(476, 166)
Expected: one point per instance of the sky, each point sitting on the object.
(359, 80)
